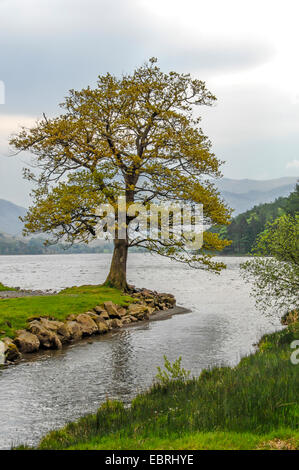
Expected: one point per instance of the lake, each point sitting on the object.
(60, 386)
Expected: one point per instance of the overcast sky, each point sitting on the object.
(246, 51)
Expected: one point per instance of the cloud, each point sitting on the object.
(293, 164)
(50, 47)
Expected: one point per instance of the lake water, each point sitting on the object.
(60, 386)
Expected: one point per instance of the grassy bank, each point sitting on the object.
(5, 288)
(15, 313)
(251, 406)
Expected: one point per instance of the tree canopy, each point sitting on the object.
(134, 136)
(275, 269)
(245, 228)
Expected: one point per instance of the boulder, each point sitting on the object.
(121, 311)
(116, 323)
(75, 330)
(72, 317)
(65, 333)
(102, 326)
(92, 315)
(48, 338)
(126, 320)
(100, 309)
(27, 342)
(111, 309)
(104, 316)
(136, 309)
(132, 318)
(87, 324)
(52, 325)
(150, 310)
(169, 299)
(11, 351)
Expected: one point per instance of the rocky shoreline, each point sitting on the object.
(44, 333)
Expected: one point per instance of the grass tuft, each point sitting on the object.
(251, 406)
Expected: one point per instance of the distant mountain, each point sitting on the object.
(244, 194)
(9, 217)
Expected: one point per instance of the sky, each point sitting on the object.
(246, 52)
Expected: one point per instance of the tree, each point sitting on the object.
(133, 136)
(275, 270)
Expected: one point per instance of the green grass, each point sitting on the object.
(15, 313)
(5, 288)
(253, 405)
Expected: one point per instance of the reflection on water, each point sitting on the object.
(60, 386)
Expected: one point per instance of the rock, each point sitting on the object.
(168, 299)
(147, 293)
(102, 326)
(109, 324)
(27, 342)
(133, 319)
(100, 309)
(92, 315)
(126, 320)
(111, 309)
(52, 325)
(150, 310)
(65, 333)
(11, 351)
(104, 316)
(48, 338)
(87, 325)
(75, 330)
(72, 317)
(122, 311)
(136, 309)
(116, 323)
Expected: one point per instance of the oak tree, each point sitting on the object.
(135, 136)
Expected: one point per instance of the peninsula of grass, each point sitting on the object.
(254, 405)
(15, 313)
(5, 288)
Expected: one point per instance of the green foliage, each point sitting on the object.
(245, 228)
(15, 313)
(172, 372)
(134, 136)
(5, 288)
(252, 405)
(276, 278)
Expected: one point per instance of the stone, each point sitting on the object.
(122, 311)
(126, 320)
(109, 324)
(150, 310)
(111, 309)
(65, 333)
(27, 342)
(11, 351)
(102, 326)
(104, 316)
(92, 315)
(136, 309)
(116, 323)
(52, 325)
(99, 309)
(75, 330)
(72, 317)
(48, 338)
(87, 325)
(133, 319)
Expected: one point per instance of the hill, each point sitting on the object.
(244, 194)
(245, 227)
(9, 217)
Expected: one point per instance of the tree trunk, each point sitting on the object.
(117, 276)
